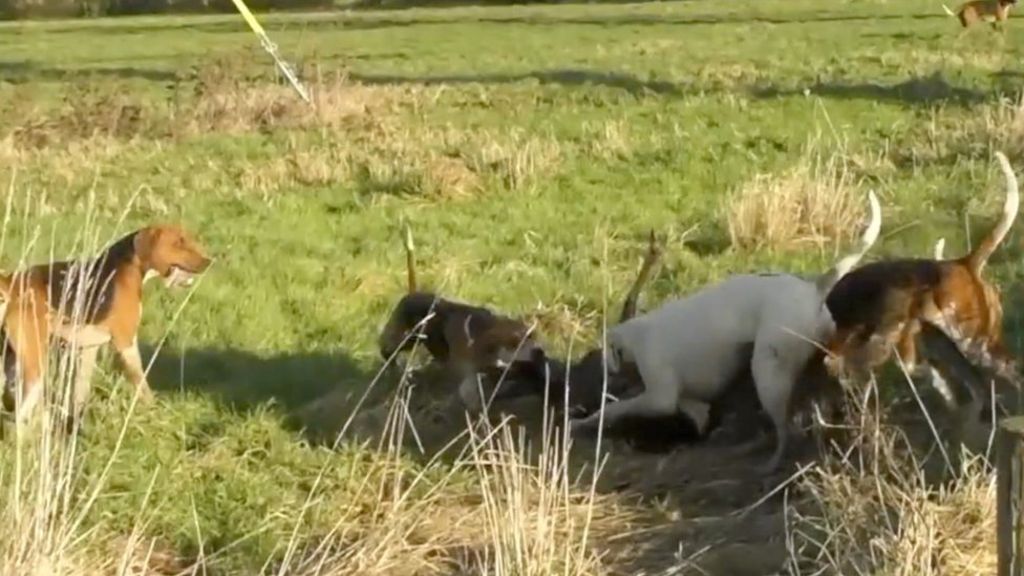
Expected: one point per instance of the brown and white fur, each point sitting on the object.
(467, 340)
(691, 349)
(87, 304)
(975, 11)
(881, 305)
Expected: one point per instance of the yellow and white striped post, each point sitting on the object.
(271, 49)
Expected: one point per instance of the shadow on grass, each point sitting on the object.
(320, 21)
(739, 18)
(929, 90)
(243, 380)
(913, 91)
(25, 72)
(564, 77)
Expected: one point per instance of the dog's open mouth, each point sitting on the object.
(180, 277)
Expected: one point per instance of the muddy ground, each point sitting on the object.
(724, 517)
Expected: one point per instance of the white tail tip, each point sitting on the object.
(875, 227)
(408, 237)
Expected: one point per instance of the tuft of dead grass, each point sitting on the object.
(610, 140)
(501, 507)
(537, 522)
(872, 510)
(946, 138)
(218, 97)
(514, 159)
(816, 202)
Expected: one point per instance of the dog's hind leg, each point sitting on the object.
(774, 381)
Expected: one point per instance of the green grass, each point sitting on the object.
(532, 148)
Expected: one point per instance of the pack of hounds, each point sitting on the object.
(791, 335)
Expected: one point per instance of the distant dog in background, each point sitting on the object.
(467, 340)
(975, 11)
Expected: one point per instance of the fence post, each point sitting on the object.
(1010, 497)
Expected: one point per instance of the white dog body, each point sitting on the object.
(691, 349)
(699, 341)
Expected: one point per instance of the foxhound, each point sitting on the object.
(467, 340)
(881, 305)
(87, 304)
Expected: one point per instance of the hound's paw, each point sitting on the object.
(146, 396)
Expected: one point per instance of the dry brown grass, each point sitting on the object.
(216, 98)
(353, 134)
(501, 507)
(1003, 123)
(537, 521)
(944, 137)
(563, 323)
(874, 512)
(816, 202)
(611, 140)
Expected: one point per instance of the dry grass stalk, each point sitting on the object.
(873, 511)
(99, 124)
(816, 202)
(992, 126)
(536, 521)
(218, 98)
(610, 140)
(491, 512)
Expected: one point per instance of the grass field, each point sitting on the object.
(531, 148)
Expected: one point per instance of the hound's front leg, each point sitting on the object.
(131, 364)
(83, 378)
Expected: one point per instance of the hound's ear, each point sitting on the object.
(143, 243)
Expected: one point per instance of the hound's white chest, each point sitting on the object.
(83, 336)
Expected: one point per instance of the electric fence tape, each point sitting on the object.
(271, 49)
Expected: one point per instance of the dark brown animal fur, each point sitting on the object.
(882, 304)
(466, 339)
(542, 375)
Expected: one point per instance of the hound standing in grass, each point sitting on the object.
(970, 13)
(88, 304)
(690, 350)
